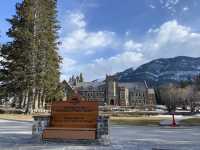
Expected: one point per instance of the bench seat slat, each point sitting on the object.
(74, 129)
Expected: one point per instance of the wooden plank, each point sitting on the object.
(69, 134)
(65, 116)
(74, 114)
(73, 119)
(69, 107)
(75, 129)
(74, 125)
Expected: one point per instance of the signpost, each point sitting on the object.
(173, 120)
(73, 119)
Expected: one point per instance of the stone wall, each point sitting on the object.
(103, 132)
(41, 122)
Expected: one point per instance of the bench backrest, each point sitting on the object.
(74, 114)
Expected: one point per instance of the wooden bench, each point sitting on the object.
(72, 120)
(70, 133)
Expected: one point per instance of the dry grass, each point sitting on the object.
(137, 120)
(18, 117)
(191, 122)
(152, 120)
(142, 120)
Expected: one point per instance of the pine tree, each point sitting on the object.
(32, 64)
(2, 93)
(81, 78)
(52, 58)
(17, 67)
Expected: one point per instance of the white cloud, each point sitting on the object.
(79, 39)
(169, 40)
(102, 66)
(172, 32)
(170, 5)
(132, 45)
(77, 19)
(185, 8)
(68, 62)
(68, 67)
(152, 6)
(124, 59)
(172, 39)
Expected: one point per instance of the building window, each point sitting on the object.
(112, 102)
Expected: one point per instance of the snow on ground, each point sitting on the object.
(178, 116)
(16, 135)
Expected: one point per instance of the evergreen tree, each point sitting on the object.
(1, 76)
(17, 67)
(81, 78)
(32, 60)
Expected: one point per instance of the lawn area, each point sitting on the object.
(114, 120)
(152, 120)
(137, 120)
(18, 117)
(191, 122)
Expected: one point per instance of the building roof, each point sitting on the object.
(132, 85)
(66, 84)
(87, 85)
(151, 91)
(94, 85)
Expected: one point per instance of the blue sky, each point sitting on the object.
(102, 37)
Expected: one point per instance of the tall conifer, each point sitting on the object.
(32, 60)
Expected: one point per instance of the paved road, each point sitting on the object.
(17, 135)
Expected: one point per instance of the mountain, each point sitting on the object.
(163, 70)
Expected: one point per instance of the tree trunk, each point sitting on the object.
(27, 102)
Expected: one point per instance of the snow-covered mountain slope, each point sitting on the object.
(163, 70)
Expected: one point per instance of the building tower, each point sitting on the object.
(111, 90)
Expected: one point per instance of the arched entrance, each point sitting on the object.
(112, 102)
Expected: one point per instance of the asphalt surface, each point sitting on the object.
(16, 135)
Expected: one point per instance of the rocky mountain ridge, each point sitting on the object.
(163, 70)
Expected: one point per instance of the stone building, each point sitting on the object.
(91, 91)
(67, 90)
(123, 96)
(112, 92)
